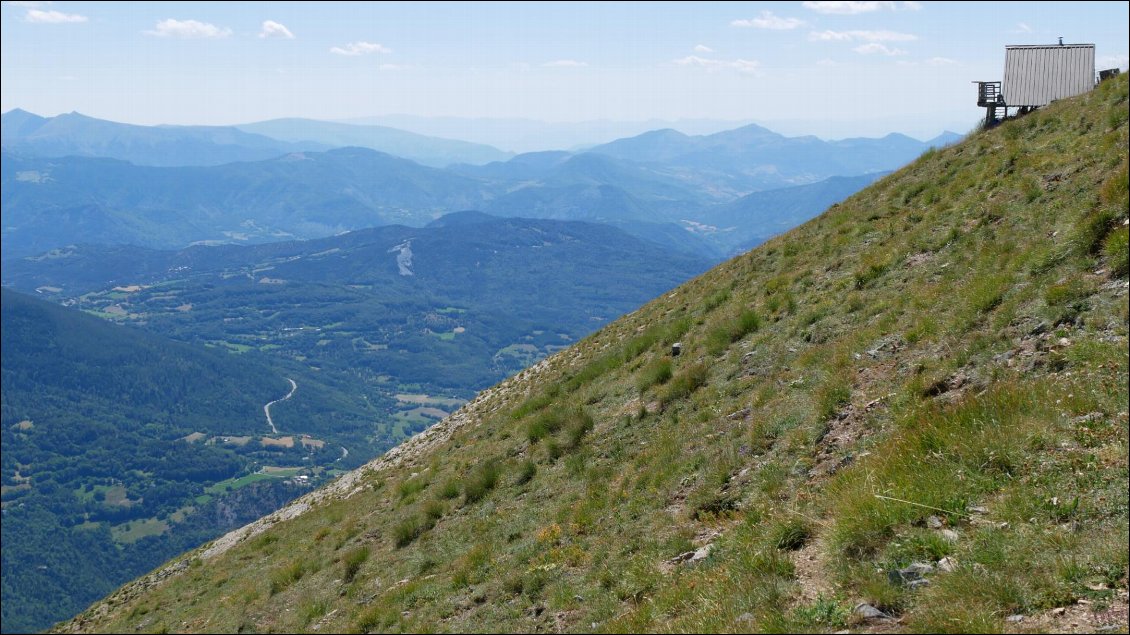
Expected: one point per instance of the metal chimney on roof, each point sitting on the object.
(1061, 41)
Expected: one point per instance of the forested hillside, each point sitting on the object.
(114, 443)
(455, 306)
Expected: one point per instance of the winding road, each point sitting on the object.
(267, 408)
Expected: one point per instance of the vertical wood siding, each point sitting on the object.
(1038, 75)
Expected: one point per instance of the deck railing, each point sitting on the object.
(989, 93)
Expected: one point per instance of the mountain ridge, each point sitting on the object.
(760, 159)
(902, 401)
(75, 134)
(79, 135)
(53, 202)
(430, 151)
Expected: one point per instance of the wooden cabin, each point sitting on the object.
(1037, 75)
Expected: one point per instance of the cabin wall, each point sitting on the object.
(1038, 75)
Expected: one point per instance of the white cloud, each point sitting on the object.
(875, 47)
(739, 65)
(39, 16)
(360, 48)
(565, 64)
(940, 61)
(853, 8)
(865, 36)
(274, 29)
(829, 36)
(189, 30)
(745, 66)
(1022, 27)
(702, 48)
(770, 21)
(694, 60)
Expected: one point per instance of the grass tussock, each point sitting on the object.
(526, 472)
(352, 562)
(407, 530)
(286, 575)
(730, 330)
(481, 481)
(684, 383)
(656, 373)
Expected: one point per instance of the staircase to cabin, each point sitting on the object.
(990, 97)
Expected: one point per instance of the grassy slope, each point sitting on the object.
(954, 336)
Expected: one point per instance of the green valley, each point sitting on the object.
(479, 298)
(116, 453)
(124, 447)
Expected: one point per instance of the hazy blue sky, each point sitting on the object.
(834, 69)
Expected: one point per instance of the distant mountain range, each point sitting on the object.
(61, 184)
(54, 202)
(51, 203)
(588, 187)
(753, 158)
(427, 150)
(74, 134)
(523, 135)
(752, 219)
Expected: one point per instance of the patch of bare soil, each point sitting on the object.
(811, 572)
(853, 422)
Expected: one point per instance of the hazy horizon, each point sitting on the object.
(830, 69)
(520, 135)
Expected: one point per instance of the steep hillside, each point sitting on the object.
(908, 414)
